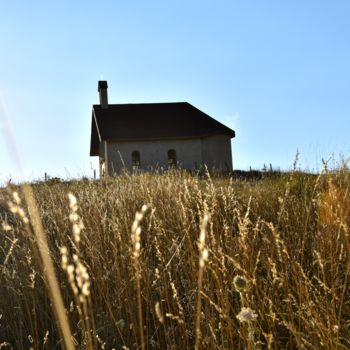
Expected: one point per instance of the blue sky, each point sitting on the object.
(277, 72)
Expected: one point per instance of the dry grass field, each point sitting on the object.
(174, 261)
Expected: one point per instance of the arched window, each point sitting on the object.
(136, 160)
(172, 162)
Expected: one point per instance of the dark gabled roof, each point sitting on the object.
(151, 121)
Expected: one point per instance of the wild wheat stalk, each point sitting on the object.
(48, 268)
(203, 256)
(135, 238)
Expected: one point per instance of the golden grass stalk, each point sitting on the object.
(49, 271)
(136, 242)
(203, 257)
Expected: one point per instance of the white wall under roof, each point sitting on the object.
(214, 151)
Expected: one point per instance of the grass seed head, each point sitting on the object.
(246, 315)
(240, 283)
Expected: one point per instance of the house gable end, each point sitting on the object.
(95, 136)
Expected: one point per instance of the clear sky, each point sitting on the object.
(277, 72)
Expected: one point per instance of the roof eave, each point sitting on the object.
(95, 135)
(189, 137)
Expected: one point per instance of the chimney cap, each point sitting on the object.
(102, 84)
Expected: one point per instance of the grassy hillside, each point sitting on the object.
(275, 252)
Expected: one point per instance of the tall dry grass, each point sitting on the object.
(209, 263)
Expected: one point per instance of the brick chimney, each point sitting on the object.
(102, 90)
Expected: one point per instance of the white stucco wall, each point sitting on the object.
(154, 154)
(214, 151)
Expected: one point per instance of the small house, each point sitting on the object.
(149, 136)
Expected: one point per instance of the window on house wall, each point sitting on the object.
(172, 161)
(136, 160)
